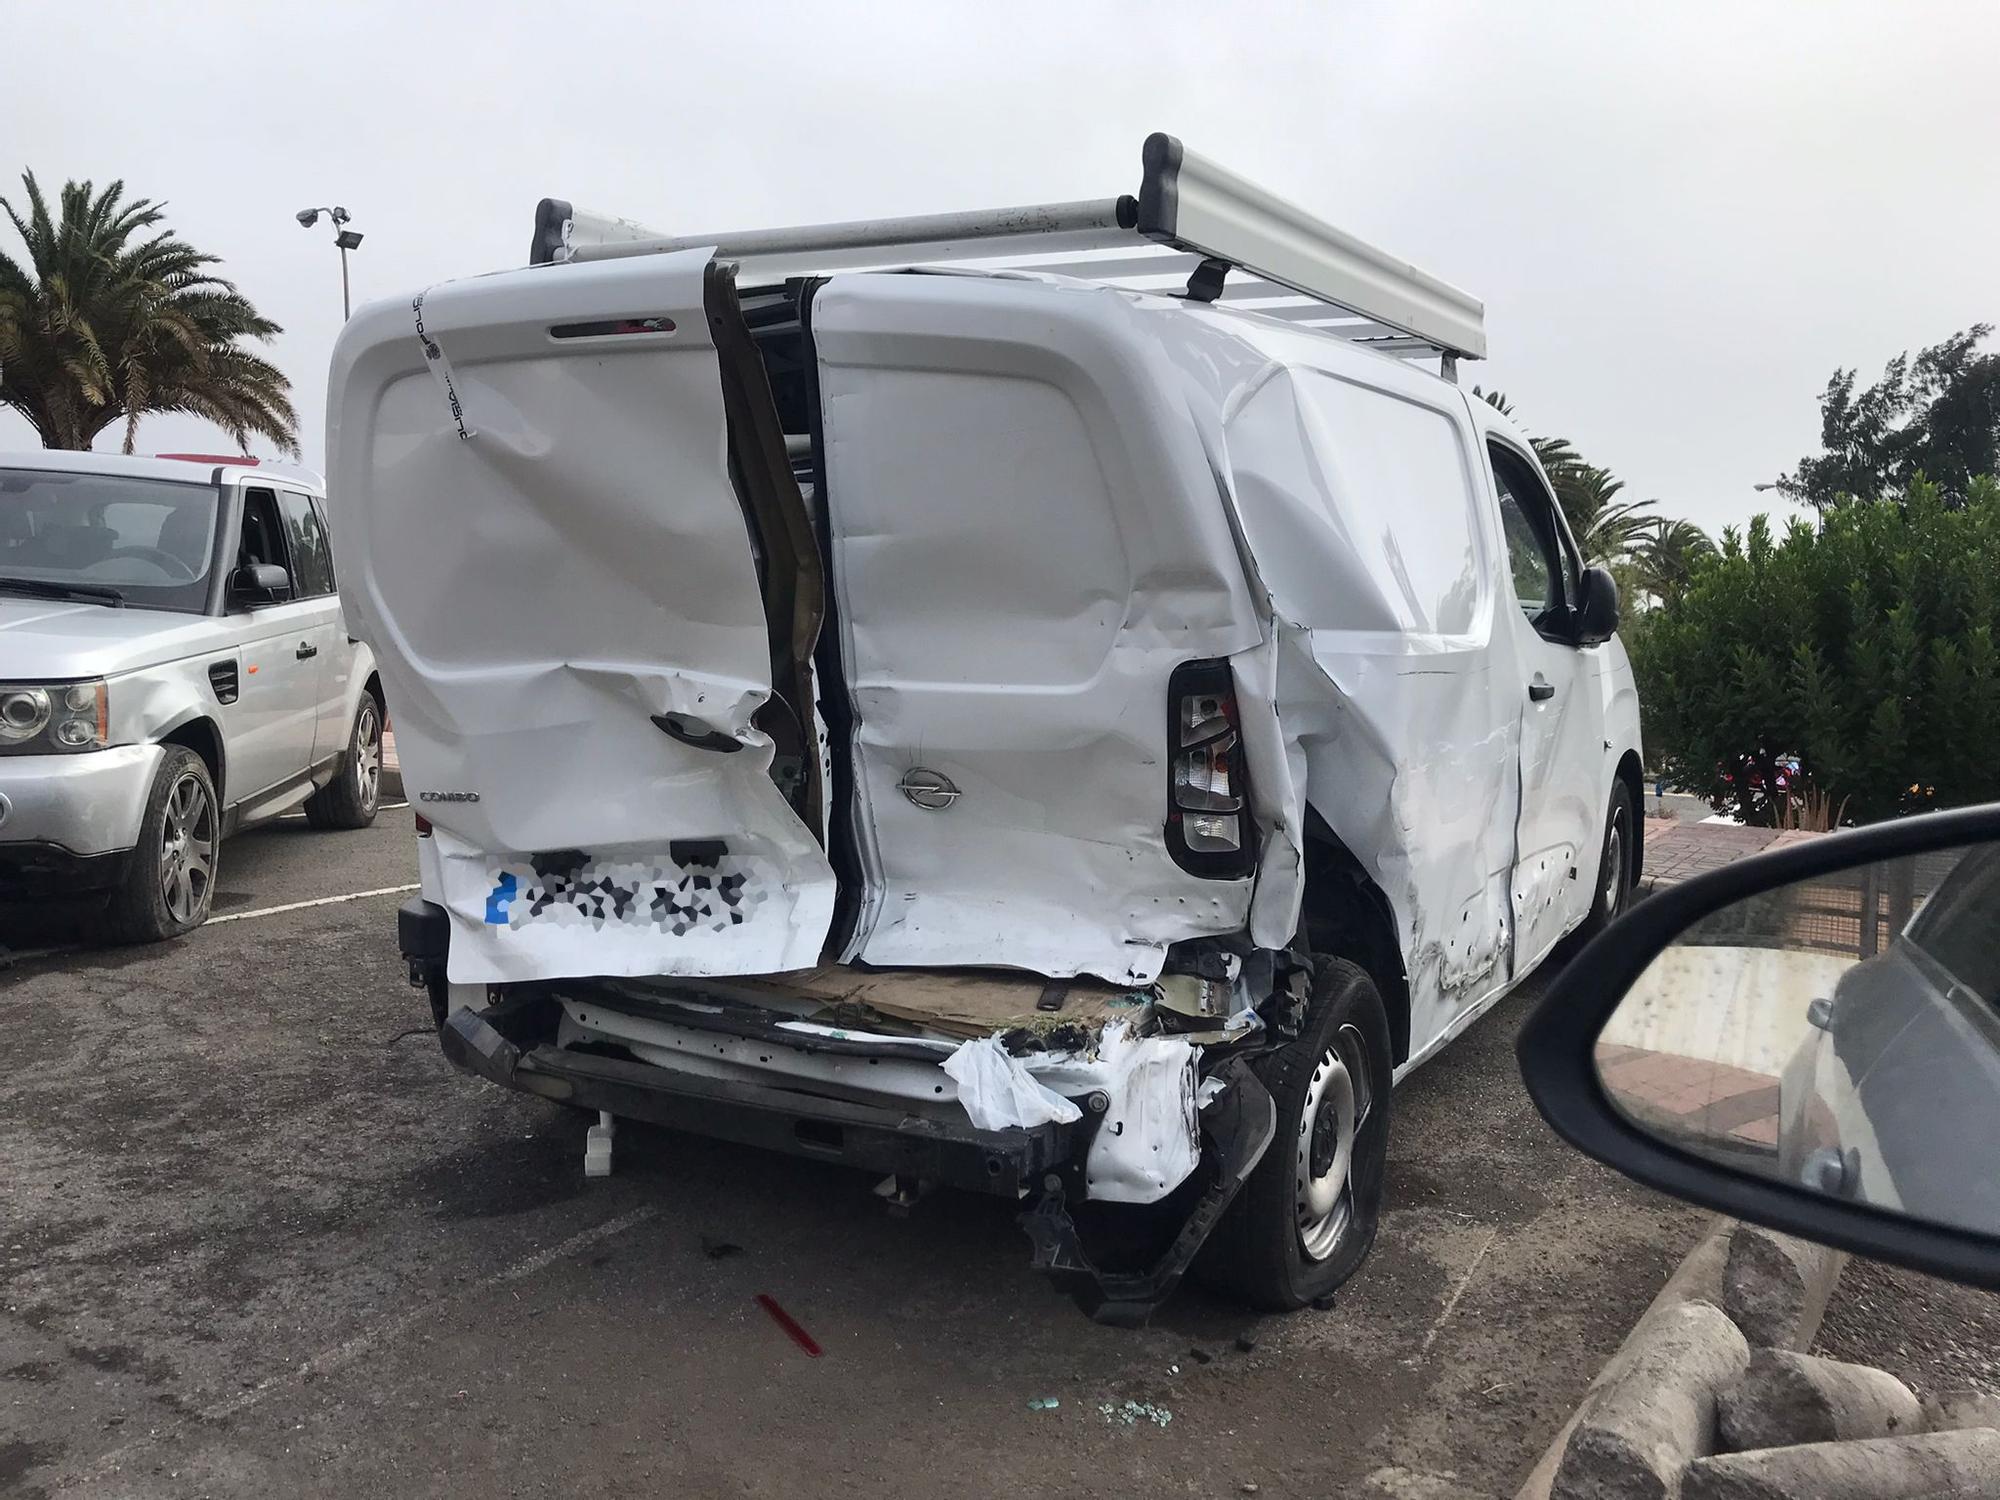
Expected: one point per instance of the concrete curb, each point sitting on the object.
(1702, 1276)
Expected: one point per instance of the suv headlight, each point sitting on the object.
(54, 716)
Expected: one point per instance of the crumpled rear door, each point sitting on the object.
(539, 533)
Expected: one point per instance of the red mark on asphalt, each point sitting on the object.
(790, 1324)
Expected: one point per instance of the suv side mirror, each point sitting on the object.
(1596, 617)
(1809, 1039)
(260, 583)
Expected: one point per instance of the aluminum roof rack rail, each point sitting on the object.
(1194, 229)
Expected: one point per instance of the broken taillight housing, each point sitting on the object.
(1208, 819)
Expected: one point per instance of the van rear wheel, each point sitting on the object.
(1305, 1220)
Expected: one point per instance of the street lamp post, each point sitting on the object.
(347, 239)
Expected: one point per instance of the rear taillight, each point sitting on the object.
(423, 825)
(1208, 821)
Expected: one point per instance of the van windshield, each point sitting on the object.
(107, 538)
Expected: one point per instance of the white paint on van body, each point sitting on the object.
(1042, 495)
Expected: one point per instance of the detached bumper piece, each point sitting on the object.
(1237, 1129)
(879, 1139)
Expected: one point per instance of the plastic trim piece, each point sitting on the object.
(1557, 1046)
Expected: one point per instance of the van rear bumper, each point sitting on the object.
(877, 1138)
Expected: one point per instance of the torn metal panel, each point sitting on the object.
(1386, 667)
(567, 606)
(1149, 1139)
(1025, 544)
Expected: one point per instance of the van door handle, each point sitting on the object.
(1540, 691)
(691, 731)
(307, 651)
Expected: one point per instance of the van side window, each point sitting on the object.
(1527, 521)
(312, 558)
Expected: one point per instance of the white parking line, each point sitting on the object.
(272, 911)
(347, 1351)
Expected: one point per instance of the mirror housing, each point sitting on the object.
(1558, 1055)
(1596, 617)
(260, 583)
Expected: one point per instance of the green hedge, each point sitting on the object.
(1865, 646)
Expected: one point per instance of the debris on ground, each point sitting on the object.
(1045, 1403)
(1246, 1341)
(1132, 1413)
(790, 1325)
(1323, 1302)
(1200, 1355)
(719, 1249)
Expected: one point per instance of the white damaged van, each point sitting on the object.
(1069, 703)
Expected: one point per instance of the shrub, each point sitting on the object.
(1865, 646)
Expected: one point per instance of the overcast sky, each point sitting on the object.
(1681, 218)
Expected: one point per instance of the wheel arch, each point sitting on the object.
(201, 734)
(1345, 913)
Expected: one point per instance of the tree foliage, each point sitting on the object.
(112, 317)
(1866, 646)
(1605, 527)
(1937, 415)
(1665, 557)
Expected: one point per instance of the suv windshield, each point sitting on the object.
(106, 537)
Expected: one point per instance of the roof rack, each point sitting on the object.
(1193, 223)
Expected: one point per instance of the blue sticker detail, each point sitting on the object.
(504, 891)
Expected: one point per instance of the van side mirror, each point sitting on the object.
(1596, 617)
(260, 583)
(1809, 1039)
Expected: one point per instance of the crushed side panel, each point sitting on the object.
(1392, 710)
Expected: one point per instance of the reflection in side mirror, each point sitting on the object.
(1837, 1032)
(260, 583)
(1809, 1039)
(1597, 608)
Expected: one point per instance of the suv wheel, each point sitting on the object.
(1304, 1221)
(350, 799)
(171, 879)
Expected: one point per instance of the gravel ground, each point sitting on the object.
(257, 1238)
(1932, 1335)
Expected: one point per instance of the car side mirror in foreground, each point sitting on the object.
(1808, 1039)
(260, 583)
(1597, 607)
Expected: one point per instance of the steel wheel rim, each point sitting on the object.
(187, 849)
(1337, 1100)
(368, 754)
(1613, 894)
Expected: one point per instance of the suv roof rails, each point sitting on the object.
(1193, 221)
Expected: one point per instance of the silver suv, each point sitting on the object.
(173, 668)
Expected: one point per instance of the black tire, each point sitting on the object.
(351, 798)
(1614, 869)
(170, 882)
(1267, 1251)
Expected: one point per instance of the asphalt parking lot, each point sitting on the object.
(258, 1238)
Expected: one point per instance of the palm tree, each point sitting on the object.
(102, 326)
(1667, 556)
(1605, 527)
